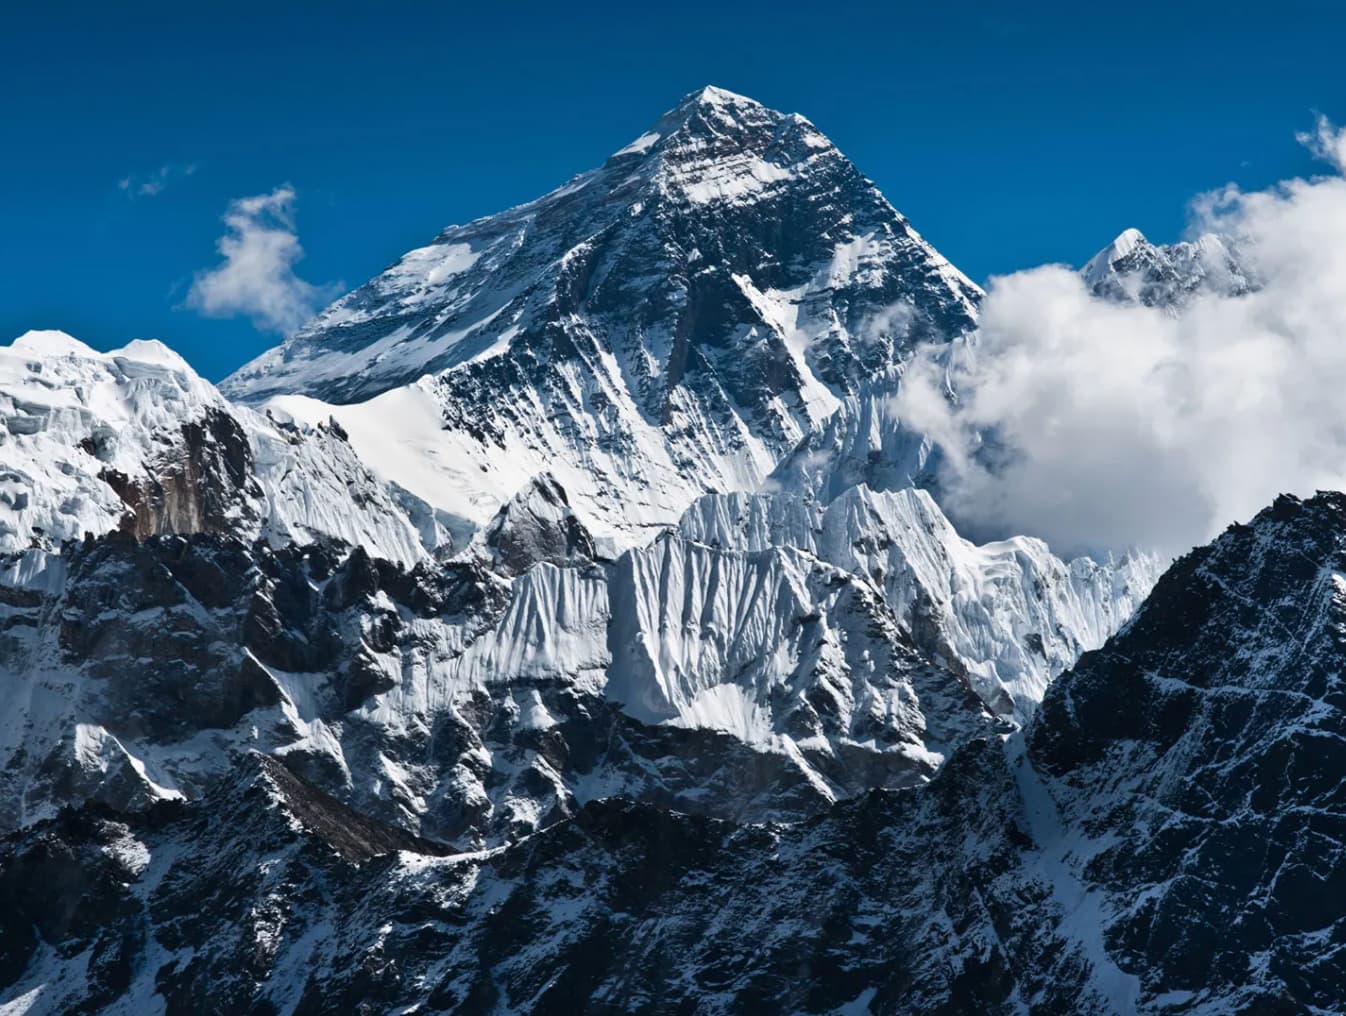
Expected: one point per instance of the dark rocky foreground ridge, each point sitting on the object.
(1166, 836)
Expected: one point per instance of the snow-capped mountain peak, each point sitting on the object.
(718, 98)
(673, 322)
(50, 342)
(1125, 244)
(1131, 269)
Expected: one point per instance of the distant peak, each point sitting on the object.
(1128, 240)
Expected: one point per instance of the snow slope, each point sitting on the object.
(1010, 613)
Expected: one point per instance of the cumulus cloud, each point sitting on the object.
(1098, 425)
(149, 184)
(256, 279)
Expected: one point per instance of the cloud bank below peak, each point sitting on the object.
(1095, 424)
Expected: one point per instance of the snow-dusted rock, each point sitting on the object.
(1166, 836)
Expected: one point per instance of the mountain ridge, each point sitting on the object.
(1068, 867)
(564, 621)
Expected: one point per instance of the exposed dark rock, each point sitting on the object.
(537, 526)
(195, 487)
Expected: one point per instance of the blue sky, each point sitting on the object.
(1010, 137)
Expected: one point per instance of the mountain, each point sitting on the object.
(192, 578)
(672, 322)
(1133, 270)
(1165, 836)
(563, 619)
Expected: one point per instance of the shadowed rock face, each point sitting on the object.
(197, 486)
(1204, 750)
(538, 526)
(1166, 836)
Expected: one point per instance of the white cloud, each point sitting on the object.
(1327, 142)
(256, 278)
(150, 184)
(1094, 424)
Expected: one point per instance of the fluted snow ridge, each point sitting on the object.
(1010, 612)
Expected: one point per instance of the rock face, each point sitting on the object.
(1165, 836)
(1202, 755)
(537, 525)
(672, 322)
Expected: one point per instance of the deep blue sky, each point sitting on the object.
(1009, 137)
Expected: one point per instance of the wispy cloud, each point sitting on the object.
(147, 185)
(256, 279)
(1327, 142)
(1097, 424)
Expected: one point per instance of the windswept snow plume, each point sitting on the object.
(260, 248)
(1096, 423)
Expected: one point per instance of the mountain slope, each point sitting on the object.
(670, 323)
(1201, 756)
(1008, 615)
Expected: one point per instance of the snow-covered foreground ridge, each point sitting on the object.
(1165, 836)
